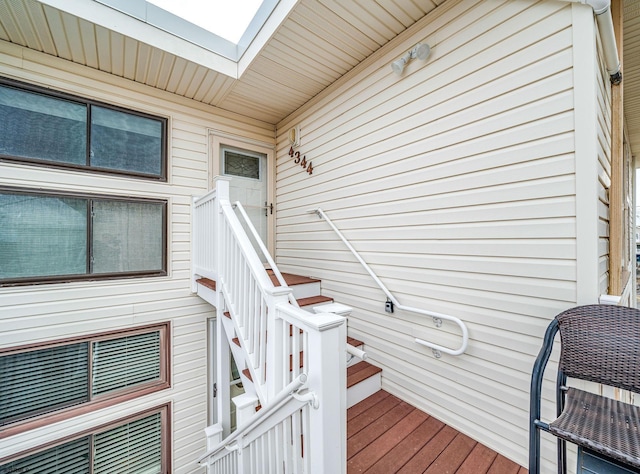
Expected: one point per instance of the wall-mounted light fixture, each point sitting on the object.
(420, 51)
(294, 136)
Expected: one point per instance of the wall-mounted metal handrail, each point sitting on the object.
(438, 317)
(263, 249)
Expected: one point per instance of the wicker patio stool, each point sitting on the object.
(599, 343)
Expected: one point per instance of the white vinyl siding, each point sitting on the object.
(55, 311)
(603, 124)
(456, 181)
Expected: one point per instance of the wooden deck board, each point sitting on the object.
(397, 457)
(374, 451)
(479, 461)
(386, 435)
(376, 428)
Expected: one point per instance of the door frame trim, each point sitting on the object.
(217, 139)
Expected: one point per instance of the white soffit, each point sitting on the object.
(160, 29)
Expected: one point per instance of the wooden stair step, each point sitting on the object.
(247, 373)
(291, 279)
(211, 284)
(314, 300)
(360, 371)
(354, 342)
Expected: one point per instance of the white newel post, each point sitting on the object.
(213, 434)
(277, 337)
(327, 377)
(221, 184)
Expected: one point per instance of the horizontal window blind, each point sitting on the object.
(68, 458)
(36, 382)
(133, 448)
(126, 361)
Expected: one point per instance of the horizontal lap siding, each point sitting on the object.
(46, 312)
(455, 181)
(603, 124)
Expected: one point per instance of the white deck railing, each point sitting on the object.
(437, 317)
(281, 344)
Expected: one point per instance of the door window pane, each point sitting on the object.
(241, 164)
(42, 236)
(41, 127)
(124, 141)
(127, 236)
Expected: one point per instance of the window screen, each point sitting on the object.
(42, 235)
(37, 125)
(127, 236)
(126, 142)
(51, 238)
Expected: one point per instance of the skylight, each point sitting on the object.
(226, 18)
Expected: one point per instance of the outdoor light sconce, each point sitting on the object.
(420, 51)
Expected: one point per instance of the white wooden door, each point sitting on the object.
(248, 172)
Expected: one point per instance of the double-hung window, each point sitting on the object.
(42, 127)
(60, 237)
(57, 380)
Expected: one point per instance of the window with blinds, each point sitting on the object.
(49, 237)
(133, 446)
(99, 369)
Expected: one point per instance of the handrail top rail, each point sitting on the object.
(252, 257)
(205, 197)
(265, 252)
(438, 316)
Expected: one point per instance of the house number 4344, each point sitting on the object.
(302, 161)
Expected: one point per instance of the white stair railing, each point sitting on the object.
(270, 442)
(437, 317)
(280, 342)
(263, 249)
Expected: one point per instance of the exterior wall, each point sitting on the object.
(47, 312)
(457, 182)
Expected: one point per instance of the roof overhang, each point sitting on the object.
(149, 24)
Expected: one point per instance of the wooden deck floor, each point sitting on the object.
(386, 435)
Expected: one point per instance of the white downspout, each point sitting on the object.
(602, 10)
